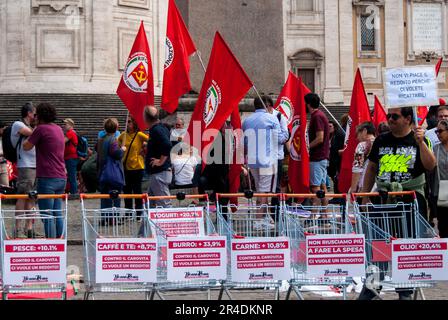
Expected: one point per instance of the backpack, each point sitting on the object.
(10, 150)
(83, 146)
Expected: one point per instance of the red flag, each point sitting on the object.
(359, 113)
(289, 98)
(224, 85)
(178, 46)
(136, 88)
(422, 111)
(379, 115)
(299, 161)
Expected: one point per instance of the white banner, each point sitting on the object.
(197, 258)
(34, 261)
(335, 255)
(261, 259)
(126, 260)
(410, 87)
(419, 260)
(179, 221)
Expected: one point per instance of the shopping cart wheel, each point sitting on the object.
(33, 195)
(320, 194)
(114, 194)
(249, 194)
(180, 196)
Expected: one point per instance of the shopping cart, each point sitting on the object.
(120, 252)
(303, 219)
(249, 217)
(382, 218)
(187, 217)
(33, 263)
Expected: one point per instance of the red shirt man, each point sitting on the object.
(71, 140)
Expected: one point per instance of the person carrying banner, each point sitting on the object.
(319, 137)
(397, 162)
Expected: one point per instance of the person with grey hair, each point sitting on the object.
(178, 132)
(157, 161)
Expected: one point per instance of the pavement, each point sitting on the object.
(75, 262)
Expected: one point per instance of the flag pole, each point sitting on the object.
(123, 143)
(414, 108)
(198, 53)
(258, 94)
(331, 115)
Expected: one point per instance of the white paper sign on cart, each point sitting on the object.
(179, 221)
(126, 260)
(261, 259)
(419, 260)
(197, 258)
(335, 255)
(34, 261)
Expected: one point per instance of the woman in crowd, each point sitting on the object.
(441, 153)
(365, 134)
(133, 163)
(110, 165)
(48, 138)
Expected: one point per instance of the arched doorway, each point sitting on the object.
(307, 64)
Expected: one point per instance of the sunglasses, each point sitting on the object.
(394, 116)
(439, 131)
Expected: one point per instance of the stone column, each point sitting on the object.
(104, 48)
(346, 44)
(17, 17)
(332, 92)
(394, 33)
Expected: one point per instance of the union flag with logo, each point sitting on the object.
(299, 160)
(136, 88)
(224, 85)
(179, 46)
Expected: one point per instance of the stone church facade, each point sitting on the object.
(81, 46)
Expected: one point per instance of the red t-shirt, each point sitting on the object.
(70, 147)
(319, 122)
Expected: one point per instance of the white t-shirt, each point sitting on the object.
(25, 159)
(177, 133)
(184, 176)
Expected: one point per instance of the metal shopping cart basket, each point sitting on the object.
(383, 217)
(249, 216)
(303, 218)
(33, 248)
(185, 217)
(120, 252)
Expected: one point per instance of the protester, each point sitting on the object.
(319, 137)
(262, 134)
(26, 165)
(442, 113)
(110, 168)
(157, 161)
(337, 138)
(48, 139)
(184, 165)
(103, 132)
(133, 162)
(365, 134)
(178, 132)
(4, 175)
(71, 155)
(89, 172)
(410, 153)
(432, 116)
(441, 153)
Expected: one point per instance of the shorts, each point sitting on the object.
(318, 173)
(26, 180)
(265, 179)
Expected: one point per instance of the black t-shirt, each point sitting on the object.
(159, 144)
(398, 159)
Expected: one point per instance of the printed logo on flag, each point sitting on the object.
(212, 101)
(286, 108)
(136, 72)
(296, 140)
(169, 53)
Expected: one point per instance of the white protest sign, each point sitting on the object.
(179, 221)
(125, 260)
(197, 258)
(42, 261)
(261, 259)
(335, 255)
(419, 260)
(410, 86)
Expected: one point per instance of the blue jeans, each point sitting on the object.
(71, 165)
(51, 186)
